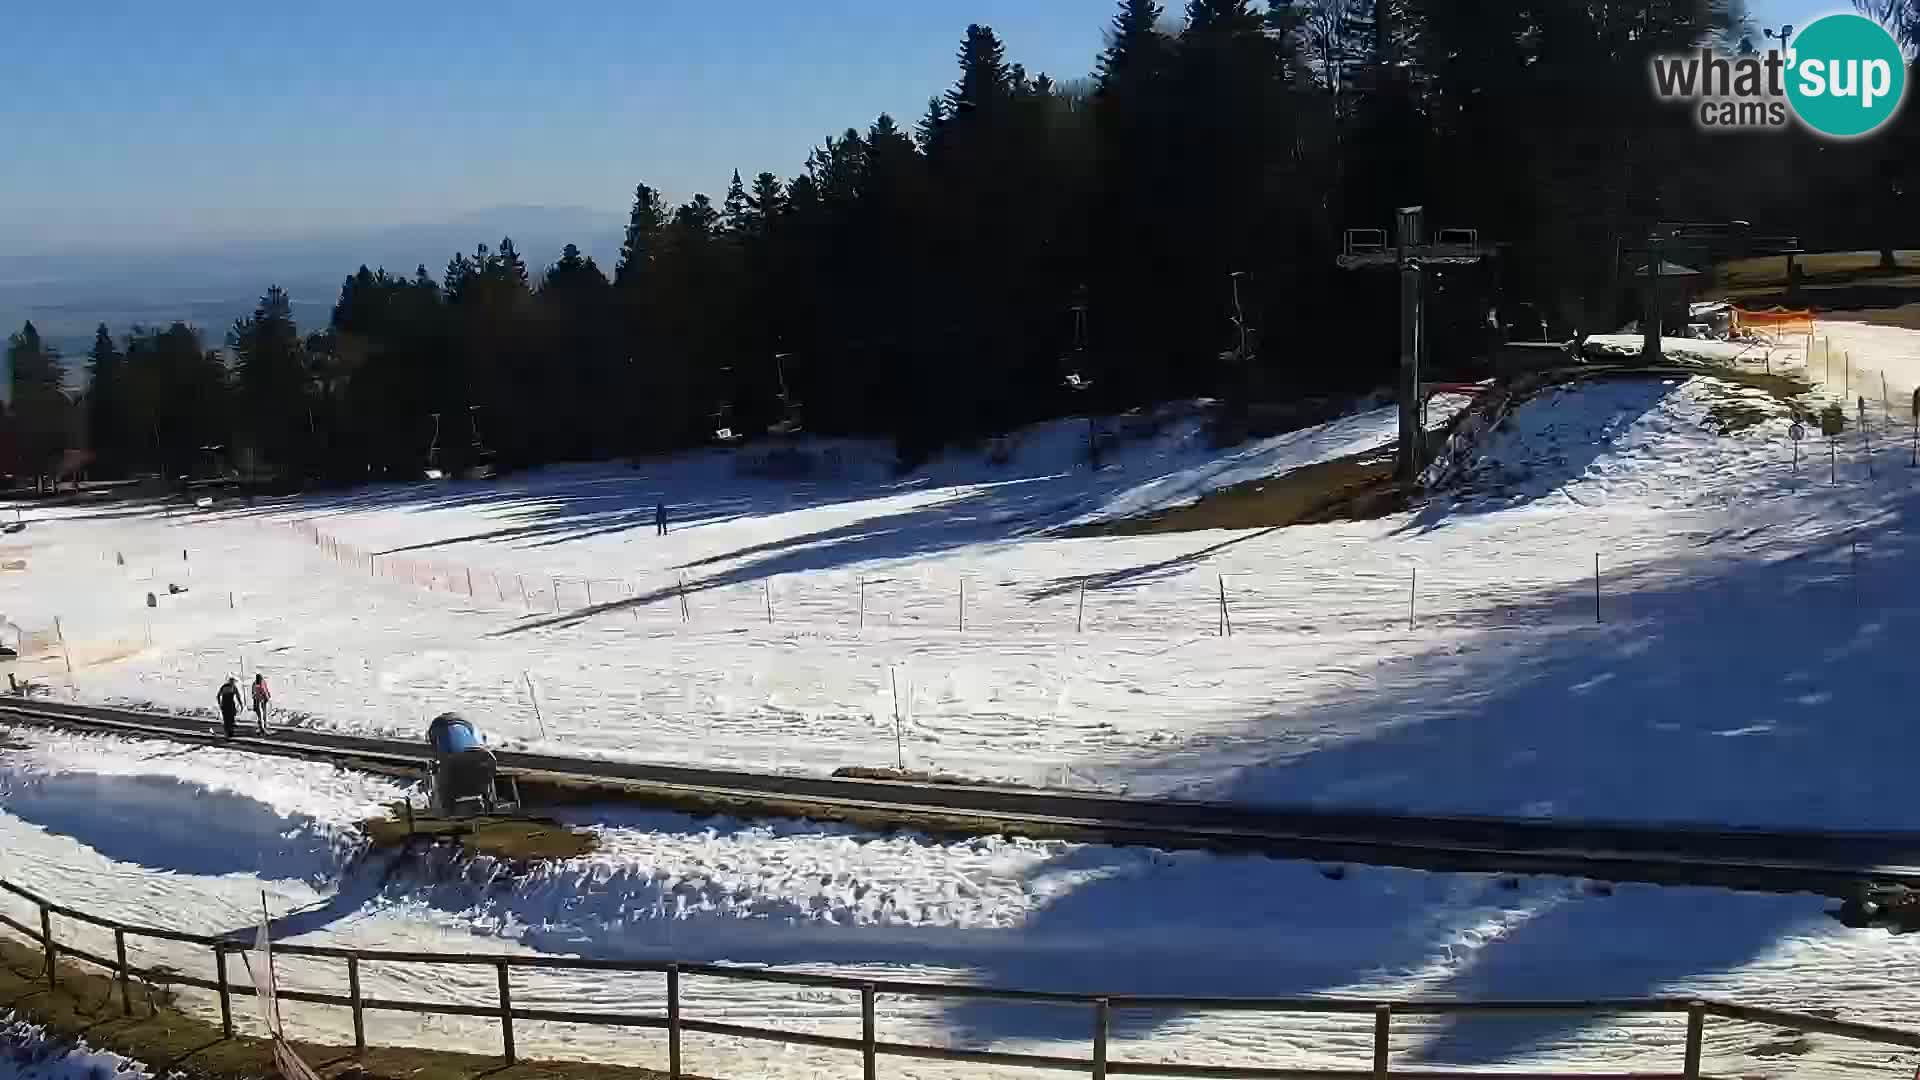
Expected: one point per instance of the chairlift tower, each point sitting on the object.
(1411, 254)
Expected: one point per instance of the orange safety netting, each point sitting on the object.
(1777, 321)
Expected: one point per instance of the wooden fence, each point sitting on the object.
(868, 1046)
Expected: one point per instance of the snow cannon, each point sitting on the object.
(465, 779)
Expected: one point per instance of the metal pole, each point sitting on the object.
(506, 1009)
(1696, 1032)
(1080, 615)
(46, 944)
(359, 1014)
(869, 1064)
(1382, 1018)
(1596, 586)
(673, 1021)
(120, 953)
(226, 996)
(1101, 1020)
(1407, 224)
(1650, 322)
(1413, 587)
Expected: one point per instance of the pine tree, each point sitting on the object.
(40, 406)
(986, 82)
(508, 265)
(765, 202)
(270, 373)
(1136, 50)
(927, 132)
(734, 210)
(648, 218)
(107, 419)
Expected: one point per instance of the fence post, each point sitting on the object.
(1100, 1021)
(359, 1014)
(506, 1010)
(1413, 588)
(46, 944)
(120, 953)
(673, 1021)
(868, 1055)
(1596, 586)
(1696, 1032)
(226, 997)
(1382, 1019)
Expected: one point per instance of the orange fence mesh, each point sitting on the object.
(1778, 322)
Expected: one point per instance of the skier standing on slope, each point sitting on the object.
(229, 701)
(659, 519)
(262, 697)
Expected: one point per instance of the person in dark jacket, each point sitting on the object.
(659, 519)
(229, 701)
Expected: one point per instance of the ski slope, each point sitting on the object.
(1745, 665)
(990, 910)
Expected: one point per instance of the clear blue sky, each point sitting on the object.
(166, 118)
(224, 116)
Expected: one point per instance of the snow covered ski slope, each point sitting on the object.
(1744, 663)
(990, 910)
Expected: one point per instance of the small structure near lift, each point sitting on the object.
(1366, 249)
(465, 776)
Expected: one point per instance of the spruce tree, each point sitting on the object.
(986, 81)
(637, 251)
(734, 209)
(40, 406)
(107, 419)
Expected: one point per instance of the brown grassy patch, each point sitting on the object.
(520, 839)
(1355, 487)
(86, 1004)
(1770, 271)
(1733, 414)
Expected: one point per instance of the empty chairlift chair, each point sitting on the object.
(465, 778)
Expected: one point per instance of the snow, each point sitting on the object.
(986, 910)
(1741, 671)
(29, 1052)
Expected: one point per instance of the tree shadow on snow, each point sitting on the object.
(173, 825)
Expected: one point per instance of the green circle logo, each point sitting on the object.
(1846, 75)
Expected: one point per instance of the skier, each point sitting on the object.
(262, 697)
(660, 519)
(229, 701)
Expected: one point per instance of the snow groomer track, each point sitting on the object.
(1836, 863)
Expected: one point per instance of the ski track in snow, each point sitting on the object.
(1749, 668)
(992, 910)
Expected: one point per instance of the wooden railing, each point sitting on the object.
(868, 1046)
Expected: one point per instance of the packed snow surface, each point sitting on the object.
(989, 910)
(1641, 604)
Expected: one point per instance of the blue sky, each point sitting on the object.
(215, 115)
(202, 118)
